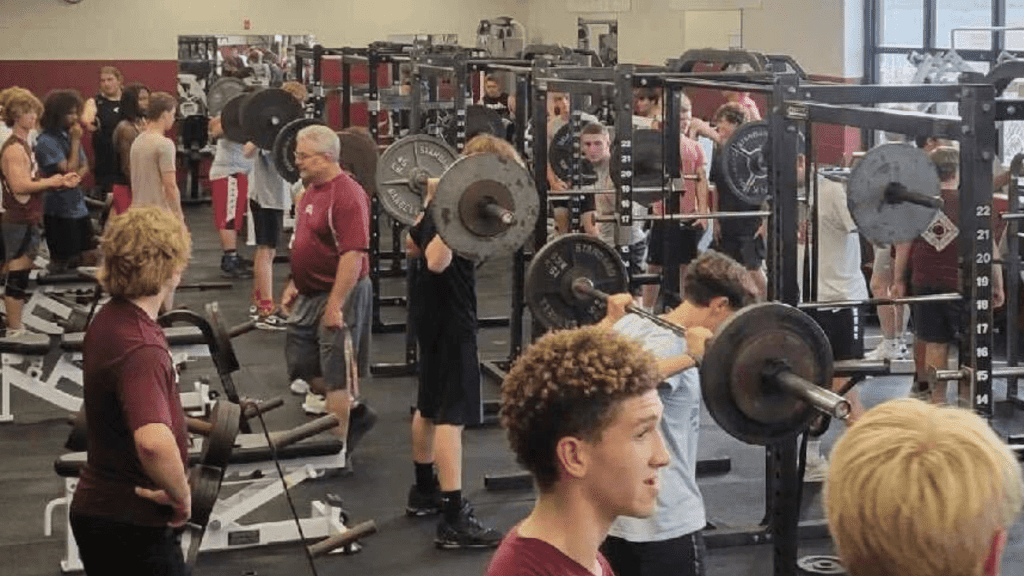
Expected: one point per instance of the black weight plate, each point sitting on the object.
(225, 418)
(284, 148)
(647, 165)
(359, 156)
(222, 351)
(204, 483)
(744, 163)
(479, 120)
(265, 113)
(231, 119)
(560, 155)
(731, 375)
(221, 92)
(553, 269)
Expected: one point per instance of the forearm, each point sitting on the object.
(345, 278)
(702, 195)
(74, 157)
(439, 255)
(668, 367)
(26, 187)
(161, 460)
(173, 196)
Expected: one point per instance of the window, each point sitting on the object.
(950, 14)
(1015, 17)
(902, 23)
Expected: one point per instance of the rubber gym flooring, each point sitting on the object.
(377, 490)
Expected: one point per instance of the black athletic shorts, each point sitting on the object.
(449, 369)
(936, 322)
(683, 237)
(682, 556)
(748, 251)
(68, 237)
(268, 223)
(108, 547)
(845, 330)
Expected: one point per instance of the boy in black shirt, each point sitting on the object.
(442, 307)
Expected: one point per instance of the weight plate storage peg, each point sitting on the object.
(560, 263)
(485, 205)
(893, 193)
(745, 164)
(741, 368)
(284, 148)
(265, 113)
(403, 171)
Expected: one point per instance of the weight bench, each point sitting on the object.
(30, 349)
(250, 464)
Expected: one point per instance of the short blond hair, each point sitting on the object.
(142, 249)
(920, 490)
(18, 101)
(298, 91)
(491, 144)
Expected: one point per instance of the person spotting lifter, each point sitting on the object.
(330, 290)
(582, 413)
(134, 488)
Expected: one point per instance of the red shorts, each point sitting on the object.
(122, 195)
(230, 199)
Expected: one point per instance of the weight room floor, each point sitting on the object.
(382, 476)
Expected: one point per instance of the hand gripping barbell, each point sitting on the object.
(765, 373)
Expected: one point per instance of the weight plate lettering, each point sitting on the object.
(403, 171)
(554, 268)
(744, 163)
(460, 207)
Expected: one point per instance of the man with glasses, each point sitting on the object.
(329, 293)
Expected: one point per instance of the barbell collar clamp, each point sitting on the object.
(896, 193)
(819, 398)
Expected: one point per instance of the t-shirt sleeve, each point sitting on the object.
(48, 154)
(350, 217)
(143, 391)
(836, 198)
(165, 156)
(655, 339)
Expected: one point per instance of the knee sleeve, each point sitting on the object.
(17, 284)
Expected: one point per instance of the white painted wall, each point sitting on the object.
(148, 29)
(812, 31)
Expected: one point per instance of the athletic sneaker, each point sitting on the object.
(276, 320)
(315, 404)
(422, 503)
(895, 349)
(234, 267)
(299, 387)
(361, 419)
(466, 532)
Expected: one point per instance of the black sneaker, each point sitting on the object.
(466, 532)
(422, 503)
(361, 419)
(232, 266)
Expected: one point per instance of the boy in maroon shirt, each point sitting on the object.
(134, 489)
(582, 413)
(330, 290)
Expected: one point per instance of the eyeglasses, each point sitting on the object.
(303, 156)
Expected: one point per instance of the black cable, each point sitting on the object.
(287, 494)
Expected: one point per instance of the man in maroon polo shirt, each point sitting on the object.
(134, 489)
(330, 291)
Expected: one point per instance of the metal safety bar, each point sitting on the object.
(946, 297)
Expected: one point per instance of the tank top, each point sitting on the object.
(108, 115)
(18, 210)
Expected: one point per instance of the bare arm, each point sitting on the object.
(249, 150)
(123, 142)
(17, 169)
(161, 460)
(89, 115)
(439, 255)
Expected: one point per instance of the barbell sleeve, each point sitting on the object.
(253, 409)
(586, 287)
(821, 399)
(321, 424)
(494, 210)
(896, 193)
(347, 537)
(242, 328)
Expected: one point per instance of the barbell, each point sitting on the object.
(484, 204)
(766, 372)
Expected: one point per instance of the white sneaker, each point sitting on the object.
(888, 350)
(299, 387)
(315, 404)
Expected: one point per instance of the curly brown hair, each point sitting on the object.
(570, 383)
(142, 249)
(714, 274)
